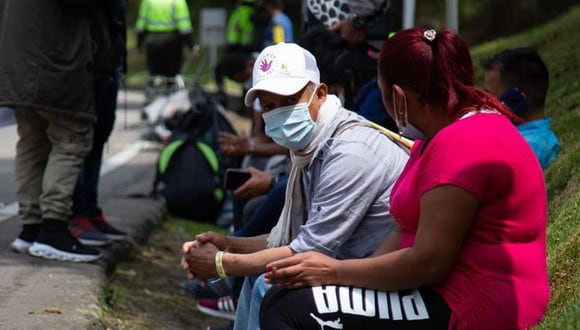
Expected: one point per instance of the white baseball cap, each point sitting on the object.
(282, 69)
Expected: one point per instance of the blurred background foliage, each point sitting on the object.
(479, 20)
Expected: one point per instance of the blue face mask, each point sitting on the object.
(407, 130)
(291, 126)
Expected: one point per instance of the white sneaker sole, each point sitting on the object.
(20, 245)
(89, 242)
(48, 252)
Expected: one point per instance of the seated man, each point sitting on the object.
(338, 188)
(520, 79)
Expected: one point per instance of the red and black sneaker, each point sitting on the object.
(101, 223)
(223, 307)
(83, 229)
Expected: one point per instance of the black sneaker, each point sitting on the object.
(101, 223)
(55, 242)
(27, 236)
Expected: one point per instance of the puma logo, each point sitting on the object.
(331, 324)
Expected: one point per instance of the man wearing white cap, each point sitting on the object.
(338, 190)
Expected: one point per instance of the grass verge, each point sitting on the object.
(144, 293)
(559, 45)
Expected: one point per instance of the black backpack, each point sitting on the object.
(190, 166)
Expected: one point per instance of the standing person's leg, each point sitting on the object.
(103, 129)
(83, 200)
(70, 140)
(32, 150)
(89, 224)
(164, 53)
(105, 105)
(341, 307)
(154, 53)
(173, 55)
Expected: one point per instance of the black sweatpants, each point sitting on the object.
(341, 307)
(164, 53)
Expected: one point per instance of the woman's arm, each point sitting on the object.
(253, 263)
(446, 214)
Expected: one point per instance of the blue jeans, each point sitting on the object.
(249, 303)
(85, 198)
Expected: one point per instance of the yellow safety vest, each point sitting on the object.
(163, 16)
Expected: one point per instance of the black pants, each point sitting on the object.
(340, 307)
(164, 52)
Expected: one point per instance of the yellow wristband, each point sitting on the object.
(219, 265)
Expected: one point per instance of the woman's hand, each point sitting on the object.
(258, 184)
(301, 270)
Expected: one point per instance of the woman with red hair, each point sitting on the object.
(471, 204)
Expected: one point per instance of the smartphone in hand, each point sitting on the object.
(235, 177)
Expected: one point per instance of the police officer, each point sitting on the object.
(163, 28)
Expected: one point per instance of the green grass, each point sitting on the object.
(558, 43)
(192, 228)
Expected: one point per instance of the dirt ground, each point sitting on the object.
(144, 293)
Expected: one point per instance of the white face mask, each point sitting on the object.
(407, 130)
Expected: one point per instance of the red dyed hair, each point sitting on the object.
(439, 71)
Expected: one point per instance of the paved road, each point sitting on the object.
(40, 294)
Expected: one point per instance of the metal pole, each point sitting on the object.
(452, 15)
(408, 14)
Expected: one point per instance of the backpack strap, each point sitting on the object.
(403, 142)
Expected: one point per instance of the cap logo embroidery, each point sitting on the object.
(265, 65)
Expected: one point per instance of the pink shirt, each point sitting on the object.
(500, 278)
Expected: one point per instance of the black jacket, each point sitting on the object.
(45, 56)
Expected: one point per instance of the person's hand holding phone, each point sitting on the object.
(258, 184)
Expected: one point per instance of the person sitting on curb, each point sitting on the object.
(520, 79)
(471, 207)
(338, 187)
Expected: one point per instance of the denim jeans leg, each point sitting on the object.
(243, 307)
(258, 293)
